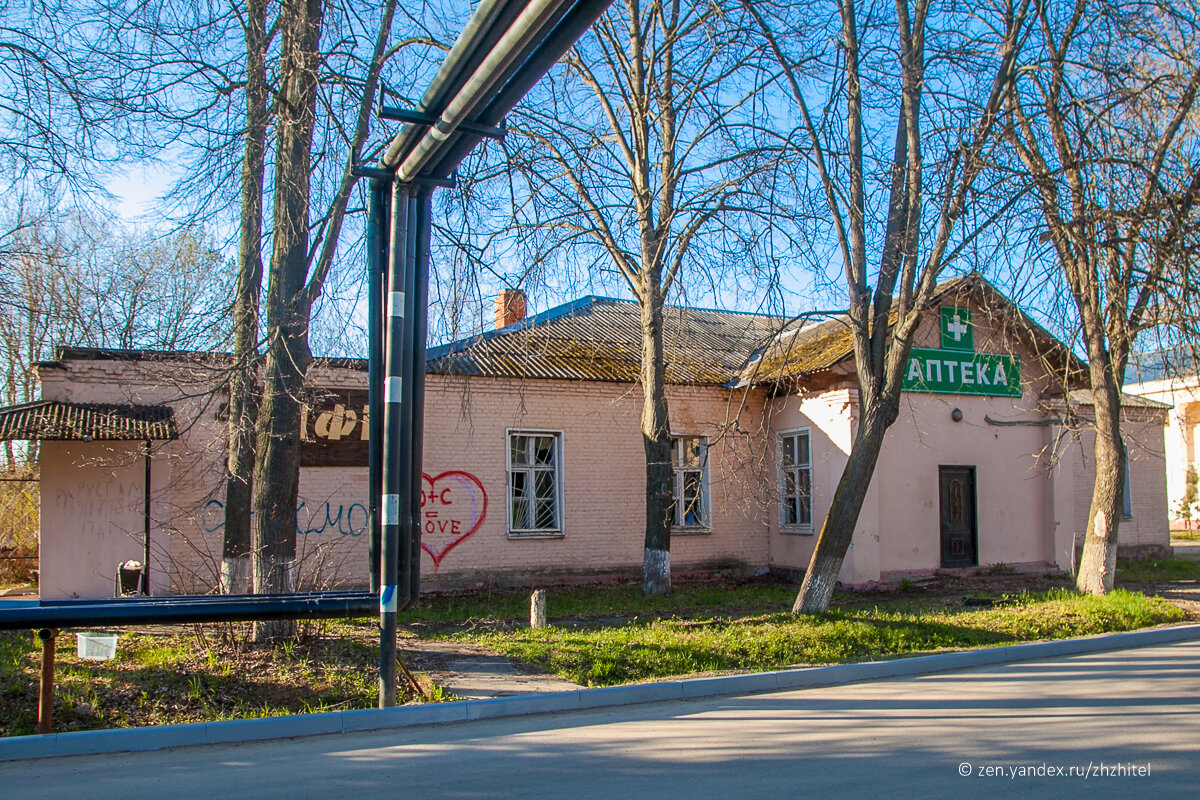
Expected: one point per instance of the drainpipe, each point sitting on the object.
(376, 289)
(146, 532)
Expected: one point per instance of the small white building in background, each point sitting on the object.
(1172, 377)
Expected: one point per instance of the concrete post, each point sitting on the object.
(537, 609)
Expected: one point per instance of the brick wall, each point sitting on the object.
(467, 425)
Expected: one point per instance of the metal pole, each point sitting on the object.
(393, 387)
(46, 693)
(420, 292)
(377, 253)
(146, 534)
(408, 520)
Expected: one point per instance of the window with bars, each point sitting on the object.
(689, 460)
(795, 481)
(534, 483)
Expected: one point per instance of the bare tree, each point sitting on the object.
(72, 279)
(235, 550)
(1099, 120)
(296, 276)
(945, 104)
(644, 157)
(58, 130)
(215, 81)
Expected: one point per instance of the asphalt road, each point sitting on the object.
(1084, 727)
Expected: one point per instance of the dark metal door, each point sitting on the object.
(957, 490)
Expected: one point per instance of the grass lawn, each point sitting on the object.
(600, 636)
(1157, 570)
(603, 653)
(163, 679)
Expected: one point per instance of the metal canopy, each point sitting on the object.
(507, 46)
(51, 420)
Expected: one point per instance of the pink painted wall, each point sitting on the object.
(1033, 483)
(603, 475)
(95, 521)
(1149, 523)
(466, 430)
(1029, 505)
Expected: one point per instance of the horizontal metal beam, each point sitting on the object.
(177, 599)
(379, 174)
(178, 610)
(373, 172)
(417, 118)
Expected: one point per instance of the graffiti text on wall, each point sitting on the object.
(453, 506)
(343, 519)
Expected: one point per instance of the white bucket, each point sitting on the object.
(96, 646)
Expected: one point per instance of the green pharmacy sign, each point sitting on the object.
(957, 368)
(951, 372)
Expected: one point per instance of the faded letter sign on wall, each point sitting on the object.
(335, 429)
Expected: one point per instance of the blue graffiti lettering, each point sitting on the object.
(339, 518)
(207, 522)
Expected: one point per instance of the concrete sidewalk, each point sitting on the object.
(140, 739)
(1110, 724)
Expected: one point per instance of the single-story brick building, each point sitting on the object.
(535, 467)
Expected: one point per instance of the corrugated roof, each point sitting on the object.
(600, 339)
(50, 420)
(800, 351)
(809, 349)
(1085, 397)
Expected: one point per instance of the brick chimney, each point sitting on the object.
(510, 307)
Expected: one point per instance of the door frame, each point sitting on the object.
(974, 472)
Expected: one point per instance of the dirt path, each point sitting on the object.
(473, 672)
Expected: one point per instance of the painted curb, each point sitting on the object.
(124, 740)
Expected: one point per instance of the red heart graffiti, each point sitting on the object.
(453, 506)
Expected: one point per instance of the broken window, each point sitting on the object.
(795, 480)
(689, 459)
(533, 483)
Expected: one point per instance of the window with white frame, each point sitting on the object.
(534, 483)
(795, 480)
(689, 460)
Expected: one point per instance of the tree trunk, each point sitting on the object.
(235, 553)
(656, 437)
(277, 464)
(838, 528)
(1098, 564)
